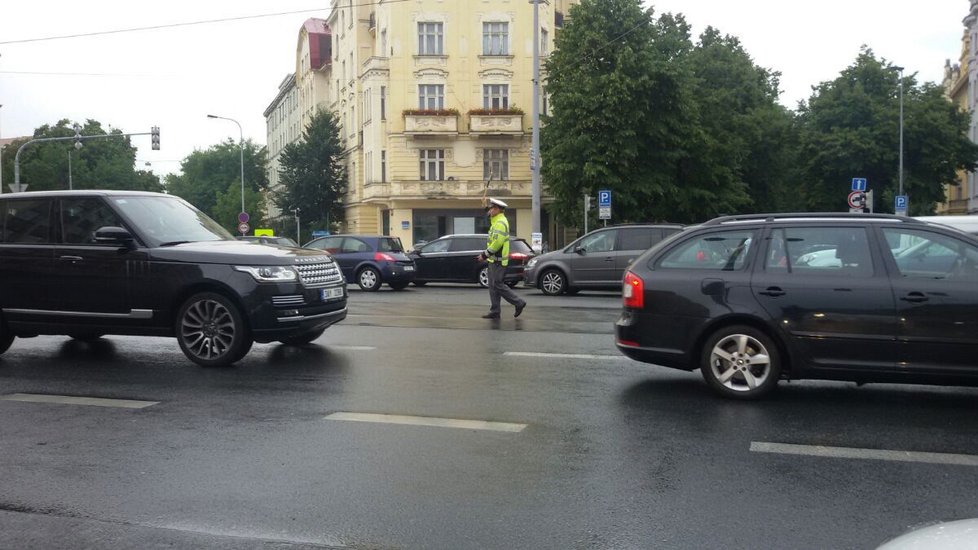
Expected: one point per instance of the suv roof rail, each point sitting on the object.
(787, 215)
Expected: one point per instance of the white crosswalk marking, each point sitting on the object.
(72, 400)
(864, 454)
(427, 421)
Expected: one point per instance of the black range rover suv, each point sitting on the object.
(89, 263)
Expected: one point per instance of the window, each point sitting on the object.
(432, 164)
(600, 241)
(495, 96)
(366, 106)
(638, 238)
(437, 246)
(544, 40)
(718, 251)
(461, 244)
(383, 103)
(495, 162)
(81, 217)
(495, 38)
(430, 38)
(431, 96)
(841, 251)
(28, 221)
(383, 166)
(925, 255)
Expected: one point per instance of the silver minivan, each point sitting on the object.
(596, 260)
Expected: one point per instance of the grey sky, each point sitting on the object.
(174, 77)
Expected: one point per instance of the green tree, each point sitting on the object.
(627, 116)
(746, 136)
(100, 163)
(850, 128)
(211, 181)
(313, 174)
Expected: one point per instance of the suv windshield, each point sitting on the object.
(166, 220)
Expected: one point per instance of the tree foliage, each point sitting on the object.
(671, 128)
(313, 175)
(100, 163)
(850, 128)
(211, 181)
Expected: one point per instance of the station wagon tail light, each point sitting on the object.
(633, 291)
(517, 256)
(382, 257)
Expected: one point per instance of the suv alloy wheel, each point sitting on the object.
(211, 331)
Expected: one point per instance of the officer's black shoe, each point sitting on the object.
(491, 316)
(519, 309)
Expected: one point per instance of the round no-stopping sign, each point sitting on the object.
(857, 199)
(243, 228)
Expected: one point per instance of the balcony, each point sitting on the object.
(496, 124)
(441, 122)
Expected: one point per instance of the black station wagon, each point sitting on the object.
(89, 263)
(750, 300)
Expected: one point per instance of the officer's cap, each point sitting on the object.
(497, 203)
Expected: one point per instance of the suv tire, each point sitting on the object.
(553, 282)
(740, 362)
(211, 331)
(484, 277)
(6, 338)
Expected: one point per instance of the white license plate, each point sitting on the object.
(327, 294)
(409, 268)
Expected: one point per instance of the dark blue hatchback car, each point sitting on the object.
(369, 260)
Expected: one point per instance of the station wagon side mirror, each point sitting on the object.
(580, 250)
(114, 235)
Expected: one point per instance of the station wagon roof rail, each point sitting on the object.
(744, 218)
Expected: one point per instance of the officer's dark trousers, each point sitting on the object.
(498, 288)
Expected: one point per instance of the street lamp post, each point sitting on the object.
(900, 69)
(241, 141)
(535, 139)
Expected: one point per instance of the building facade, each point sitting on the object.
(434, 99)
(961, 88)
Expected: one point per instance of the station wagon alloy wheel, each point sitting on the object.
(210, 330)
(741, 362)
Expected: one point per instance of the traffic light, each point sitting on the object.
(155, 138)
(587, 202)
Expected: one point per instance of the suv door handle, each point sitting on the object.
(609, 259)
(772, 291)
(70, 258)
(915, 297)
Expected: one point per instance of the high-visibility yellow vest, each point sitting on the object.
(497, 247)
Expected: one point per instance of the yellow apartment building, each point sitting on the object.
(433, 97)
(961, 86)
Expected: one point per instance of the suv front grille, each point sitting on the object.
(319, 273)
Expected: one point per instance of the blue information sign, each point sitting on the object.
(604, 197)
(900, 203)
(858, 184)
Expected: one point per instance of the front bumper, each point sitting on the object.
(283, 310)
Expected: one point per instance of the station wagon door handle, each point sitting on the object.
(70, 258)
(609, 259)
(915, 297)
(772, 291)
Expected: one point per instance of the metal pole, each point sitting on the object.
(535, 160)
(901, 131)
(298, 233)
(69, 170)
(241, 141)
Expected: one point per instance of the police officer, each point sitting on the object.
(497, 254)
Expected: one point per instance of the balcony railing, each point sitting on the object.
(434, 124)
(496, 125)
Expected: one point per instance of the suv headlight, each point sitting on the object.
(531, 263)
(270, 273)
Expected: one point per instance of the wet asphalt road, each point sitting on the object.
(614, 454)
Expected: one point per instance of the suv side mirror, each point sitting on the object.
(113, 235)
(580, 250)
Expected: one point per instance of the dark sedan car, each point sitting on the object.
(369, 260)
(750, 300)
(452, 259)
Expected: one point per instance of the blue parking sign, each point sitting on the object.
(901, 202)
(604, 197)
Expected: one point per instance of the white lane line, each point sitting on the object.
(427, 421)
(864, 454)
(561, 355)
(354, 348)
(70, 400)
